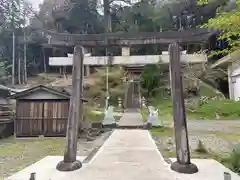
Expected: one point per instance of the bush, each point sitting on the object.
(152, 78)
(234, 160)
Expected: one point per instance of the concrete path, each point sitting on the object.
(126, 155)
(131, 119)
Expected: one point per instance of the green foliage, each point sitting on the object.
(202, 2)
(226, 109)
(233, 161)
(94, 117)
(228, 23)
(89, 22)
(152, 78)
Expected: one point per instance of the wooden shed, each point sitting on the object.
(40, 111)
(6, 113)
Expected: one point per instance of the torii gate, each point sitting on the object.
(173, 39)
(133, 64)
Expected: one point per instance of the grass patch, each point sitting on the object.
(226, 110)
(144, 113)
(226, 136)
(17, 154)
(95, 117)
(231, 161)
(234, 160)
(164, 107)
(164, 131)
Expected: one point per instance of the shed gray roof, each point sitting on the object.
(36, 88)
(55, 90)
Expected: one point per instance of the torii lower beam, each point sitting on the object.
(128, 60)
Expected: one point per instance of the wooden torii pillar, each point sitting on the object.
(70, 163)
(183, 163)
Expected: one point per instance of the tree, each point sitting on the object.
(227, 21)
(90, 21)
(152, 78)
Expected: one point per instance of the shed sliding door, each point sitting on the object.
(29, 118)
(55, 118)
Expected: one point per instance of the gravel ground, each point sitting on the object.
(214, 125)
(16, 154)
(219, 137)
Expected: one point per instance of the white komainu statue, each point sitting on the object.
(153, 118)
(108, 117)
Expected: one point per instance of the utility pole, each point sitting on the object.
(108, 29)
(70, 163)
(107, 87)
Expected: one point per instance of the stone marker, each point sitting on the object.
(153, 118)
(70, 163)
(32, 176)
(183, 164)
(108, 117)
(227, 176)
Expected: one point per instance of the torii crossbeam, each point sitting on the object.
(126, 39)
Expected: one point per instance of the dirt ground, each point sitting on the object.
(218, 137)
(16, 154)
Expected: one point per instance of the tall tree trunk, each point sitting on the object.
(13, 57)
(19, 67)
(25, 52)
(107, 16)
(13, 45)
(44, 60)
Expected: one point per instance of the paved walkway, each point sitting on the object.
(131, 119)
(126, 155)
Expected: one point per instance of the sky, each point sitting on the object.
(35, 3)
